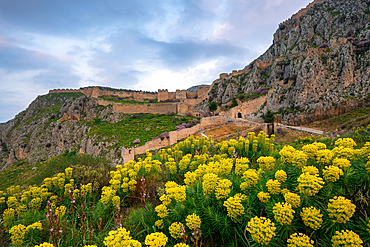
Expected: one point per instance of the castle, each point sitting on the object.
(179, 102)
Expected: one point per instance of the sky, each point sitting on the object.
(141, 45)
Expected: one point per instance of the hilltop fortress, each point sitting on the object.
(161, 102)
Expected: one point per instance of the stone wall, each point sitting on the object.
(174, 136)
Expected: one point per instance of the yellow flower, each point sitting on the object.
(156, 239)
(21, 209)
(241, 165)
(178, 193)
(299, 240)
(234, 208)
(346, 238)
(223, 189)
(60, 211)
(299, 159)
(250, 178)
(340, 209)
(344, 153)
(261, 229)
(162, 211)
(192, 220)
(69, 172)
(309, 184)
(312, 217)
(159, 224)
(107, 195)
(209, 183)
(281, 176)
(165, 199)
(12, 202)
(310, 169)
(36, 203)
(324, 157)
(45, 244)
(345, 143)
(175, 229)
(181, 245)
(17, 233)
(120, 237)
(341, 163)
(286, 154)
(293, 199)
(266, 163)
(310, 150)
(332, 173)
(273, 186)
(263, 196)
(283, 213)
(190, 178)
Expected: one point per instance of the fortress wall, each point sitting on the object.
(249, 106)
(215, 120)
(182, 108)
(193, 101)
(162, 94)
(180, 94)
(191, 94)
(172, 95)
(64, 91)
(174, 136)
(159, 108)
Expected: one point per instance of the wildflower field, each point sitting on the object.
(245, 192)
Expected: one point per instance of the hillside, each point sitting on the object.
(70, 121)
(317, 67)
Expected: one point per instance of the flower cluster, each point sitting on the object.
(299, 240)
(345, 143)
(341, 209)
(273, 186)
(45, 245)
(175, 229)
(286, 154)
(293, 199)
(209, 184)
(157, 239)
(341, 163)
(324, 157)
(332, 173)
(309, 184)
(281, 176)
(261, 229)
(283, 213)
(223, 189)
(263, 196)
(346, 238)
(250, 178)
(241, 165)
(192, 220)
(310, 150)
(234, 208)
(312, 217)
(120, 237)
(299, 159)
(159, 224)
(266, 163)
(161, 210)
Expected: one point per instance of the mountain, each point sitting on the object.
(317, 67)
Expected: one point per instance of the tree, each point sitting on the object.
(234, 103)
(268, 117)
(213, 106)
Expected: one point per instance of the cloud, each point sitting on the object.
(146, 45)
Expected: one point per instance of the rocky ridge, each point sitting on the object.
(318, 65)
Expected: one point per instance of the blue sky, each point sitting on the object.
(143, 45)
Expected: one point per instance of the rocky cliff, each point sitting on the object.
(40, 132)
(318, 65)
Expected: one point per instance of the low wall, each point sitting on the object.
(174, 136)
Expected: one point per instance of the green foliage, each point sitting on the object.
(233, 103)
(213, 106)
(136, 126)
(268, 117)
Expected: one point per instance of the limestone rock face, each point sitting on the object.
(318, 64)
(41, 131)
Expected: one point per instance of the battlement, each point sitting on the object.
(65, 90)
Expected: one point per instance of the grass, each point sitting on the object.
(24, 173)
(355, 118)
(137, 126)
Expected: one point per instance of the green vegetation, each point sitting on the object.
(212, 106)
(24, 173)
(137, 126)
(224, 191)
(54, 101)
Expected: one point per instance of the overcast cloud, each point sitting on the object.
(143, 45)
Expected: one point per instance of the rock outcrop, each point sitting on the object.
(318, 64)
